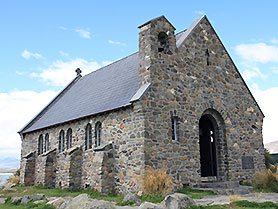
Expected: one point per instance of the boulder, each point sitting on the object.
(37, 196)
(177, 201)
(25, 199)
(149, 205)
(57, 202)
(2, 200)
(39, 201)
(131, 197)
(84, 201)
(16, 199)
(8, 189)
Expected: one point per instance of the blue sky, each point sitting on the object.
(43, 42)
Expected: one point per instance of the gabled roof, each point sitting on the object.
(111, 87)
(108, 88)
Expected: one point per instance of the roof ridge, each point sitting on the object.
(110, 64)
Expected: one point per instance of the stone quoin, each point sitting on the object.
(179, 102)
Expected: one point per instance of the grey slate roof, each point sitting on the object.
(111, 87)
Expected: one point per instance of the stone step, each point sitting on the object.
(236, 190)
(219, 184)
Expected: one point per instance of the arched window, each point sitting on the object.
(69, 138)
(98, 134)
(62, 141)
(88, 137)
(40, 145)
(46, 142)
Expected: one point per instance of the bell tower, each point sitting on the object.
(156, 42)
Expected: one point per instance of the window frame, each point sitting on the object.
(40, 144)
(61, 145)
(69, 138)
(88, 137)
(174, 120)
(98, 133)
(46, 142)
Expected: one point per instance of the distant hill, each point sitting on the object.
(272, 147)
(9, 163)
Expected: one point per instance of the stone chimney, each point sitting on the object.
(156, 41)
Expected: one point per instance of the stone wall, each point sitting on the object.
(122, 128)
(185, 83)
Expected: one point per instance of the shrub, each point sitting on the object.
(155, 182)
(13, 179)
(267, 179)
(268, 159)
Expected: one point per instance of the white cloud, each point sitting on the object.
(253, 73)
(274, 41)
(62, 28)
(199, 12)
(268, 101)
(20, 72)
(83, 33)
(116, 43)
(104, 63)
(258, 52)
(64, 54)
(27, 55)
(61, 73)
(16, 109)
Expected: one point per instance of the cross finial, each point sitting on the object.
(78, 71)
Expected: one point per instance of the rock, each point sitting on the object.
(25, 200)
(149, 205)
(16, 199)
(177, 201)
(84, 201)
(39, 201)
(8, 189)
(50, 198)
(56, 202)
(131, 197)
(37, 196)
(2, 200)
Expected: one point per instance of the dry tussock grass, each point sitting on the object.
(155, 182)
(14, 179)
(267, 179)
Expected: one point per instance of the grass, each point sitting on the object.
(9, 205)
(195, 193)
(156, 199)
(29, 190)
(156, 182)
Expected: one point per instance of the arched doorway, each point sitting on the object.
(213, 145)
(208, 152)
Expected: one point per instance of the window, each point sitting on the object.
(98, 134)
(62, 141)
(207, 55)
(69, 138)
(163, 41)
(175, 128)
(88, 137)
(46, 143)
(40, 145)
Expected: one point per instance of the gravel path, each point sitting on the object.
(225, 199)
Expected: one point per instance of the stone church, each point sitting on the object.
(179, 102)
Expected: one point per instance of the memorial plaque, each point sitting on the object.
(247, 162)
